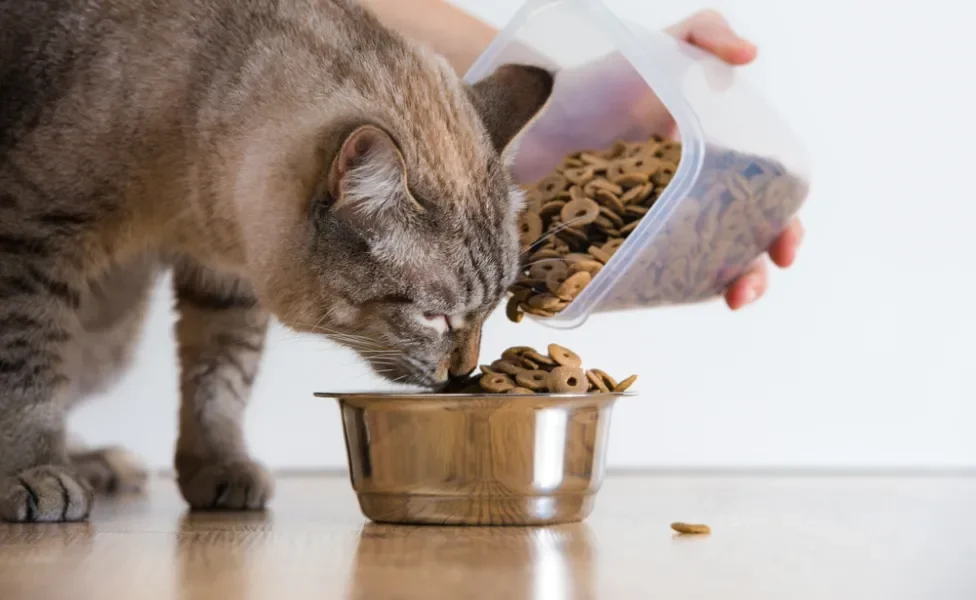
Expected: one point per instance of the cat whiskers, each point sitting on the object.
(549, 234)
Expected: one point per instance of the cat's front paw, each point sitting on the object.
(238, 485)
(111, 470)
(47, 493)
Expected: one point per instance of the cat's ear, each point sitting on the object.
(368, 174)
(509, 99)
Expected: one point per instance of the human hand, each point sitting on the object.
(606, 100)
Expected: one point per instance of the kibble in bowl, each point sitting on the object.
(521, 442)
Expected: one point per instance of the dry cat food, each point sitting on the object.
(523, 370)
(579, 216)
(691, 528)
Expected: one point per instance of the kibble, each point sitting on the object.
(594, 200)
(524, 370)
(691, 528)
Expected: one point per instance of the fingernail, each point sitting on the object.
(750, 295)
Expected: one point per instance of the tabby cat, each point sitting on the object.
(292, 158)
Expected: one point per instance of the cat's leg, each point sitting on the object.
(38, 326)
(112, 313)
(110, 469)
(220, 332)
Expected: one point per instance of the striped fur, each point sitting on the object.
(219, 138)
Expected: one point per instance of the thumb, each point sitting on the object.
(710, 32)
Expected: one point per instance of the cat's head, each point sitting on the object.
(412, 228)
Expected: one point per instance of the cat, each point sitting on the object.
(293, 158)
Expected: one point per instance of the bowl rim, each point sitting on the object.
(434, 396)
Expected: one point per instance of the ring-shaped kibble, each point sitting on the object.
(534, 380)
(545, 301)
(550, 209)
(597, 382)
(551, 186)
(613, 245)
(515, 352)
(564, 356)
(568, 380)
(573, 237)
(602, 184)
(540, 358)
(615, 219)
(506, 366)
(629, 228)
(530, 226)
(545, 253)
(590, 266)
(554, 280)
(581, 211)
(610, 200)
(573, 285)
(610, 382)
(624, 385)
(546, 267)
(520, 390)
(496, 383)
(579, 175)
(599, 254)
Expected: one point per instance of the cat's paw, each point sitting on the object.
(48, 493)
(239, 485)
(111, 470)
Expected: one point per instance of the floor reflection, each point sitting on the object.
(450, 562)
(219, 554)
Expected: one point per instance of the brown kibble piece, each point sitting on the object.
(599, 254)
(568, 380)
(530, 228)
(544, 301)
(515, 352)
(590, 266)
(564, 356)
(691, 528)
(573, 285)
(610, 382)
(551, 209)
(624, 385)
(615, 219)
(551, 186)
(580, 175)
(546, 267)
(520, 390)
(554, 281)
(597, 381)
(496, 383)
(581, 211)
(534, 380)
(506, 366)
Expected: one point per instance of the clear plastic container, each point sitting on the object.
(742, 174)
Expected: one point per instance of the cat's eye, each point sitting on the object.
(395, 299)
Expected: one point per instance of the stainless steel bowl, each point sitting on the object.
(476, 459)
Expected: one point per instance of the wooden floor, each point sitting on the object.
(772, 538)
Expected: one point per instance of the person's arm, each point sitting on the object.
(458, 36)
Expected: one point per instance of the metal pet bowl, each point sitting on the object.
(476, 459)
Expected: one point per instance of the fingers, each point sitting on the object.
(783, 250)
(749, 287)
(711, 32)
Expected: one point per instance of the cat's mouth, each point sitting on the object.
(409, 370)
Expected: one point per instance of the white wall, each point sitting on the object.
(860, 355)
